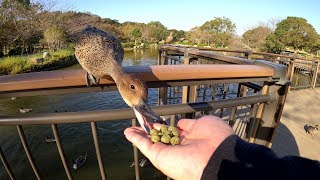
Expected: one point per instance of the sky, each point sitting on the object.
(185, 14)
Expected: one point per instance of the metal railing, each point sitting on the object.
(248, 95)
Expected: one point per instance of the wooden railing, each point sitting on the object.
(305, 72)
(254, 110)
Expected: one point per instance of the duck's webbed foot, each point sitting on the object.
(91, 80)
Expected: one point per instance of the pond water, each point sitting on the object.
(76, 138)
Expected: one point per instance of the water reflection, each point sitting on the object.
(77, 138)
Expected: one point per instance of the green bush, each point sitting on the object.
(15, 51)
(22, 64)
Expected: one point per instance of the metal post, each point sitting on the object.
(172, 120)
(27, 150)
(252, 121)
(135, 155)
(97, 147)
(315, 74)
(61, 151)
(6, 165)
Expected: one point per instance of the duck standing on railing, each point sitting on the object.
(169, 39)
(101, 54)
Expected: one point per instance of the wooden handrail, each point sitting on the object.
(207, 54)
(244, 51)
(75, 78)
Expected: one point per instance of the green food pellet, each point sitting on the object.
(164, 129)
(175, 140)
(166, 132)
(155, 138)
(160, 134)
(154, 132)
(172, 128)
(165, 139)
(175, 133)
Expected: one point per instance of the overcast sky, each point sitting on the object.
(185, 14)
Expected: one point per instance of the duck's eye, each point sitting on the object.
(132, 87)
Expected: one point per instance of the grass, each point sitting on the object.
(22, 64)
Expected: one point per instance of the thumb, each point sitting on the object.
(186, 124)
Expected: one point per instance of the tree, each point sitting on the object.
(157, 31)
(273, 45)
(177, 35)
(18, 25)
(316, 48)
(55, 37)
(221, 30)
(296, 32)
(135, 34)
(256, 37)
(194, 35)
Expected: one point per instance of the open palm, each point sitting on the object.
(199, 139)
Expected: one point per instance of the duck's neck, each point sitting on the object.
(116, 72)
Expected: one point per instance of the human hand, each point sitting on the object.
(199, 140)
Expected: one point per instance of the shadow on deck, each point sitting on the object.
(301, 108)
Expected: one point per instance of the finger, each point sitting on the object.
(141, 140)
(186, 124)
(134, 132)
(157, 126)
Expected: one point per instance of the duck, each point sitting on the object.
(100, 54)
(24, 110)
(169, 39)
(50, 139)
(311, 129)
(80, 161)
(143, 162)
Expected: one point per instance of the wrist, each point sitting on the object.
(224, 152)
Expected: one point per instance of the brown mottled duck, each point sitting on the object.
(169, 38)
(101, 54)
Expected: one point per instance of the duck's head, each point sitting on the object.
(134, 92)
(316, 127)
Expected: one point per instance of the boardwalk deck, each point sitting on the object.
(302, 107)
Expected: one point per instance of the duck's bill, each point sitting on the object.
(145, 115)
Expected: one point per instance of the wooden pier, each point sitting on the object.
(302, 107)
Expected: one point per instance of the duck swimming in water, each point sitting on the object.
(143, 162)
(101, 54)
(50, 139)
(24, 110)
(79, 162)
